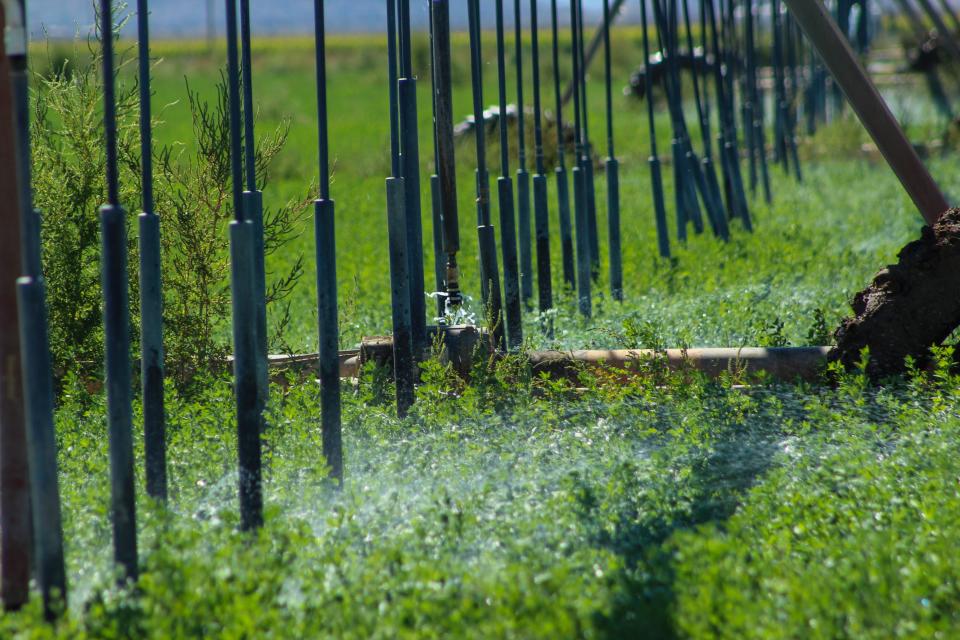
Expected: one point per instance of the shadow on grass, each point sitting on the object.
(645, 607)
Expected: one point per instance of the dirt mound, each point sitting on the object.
(910, 306)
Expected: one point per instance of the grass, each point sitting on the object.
(516, 507)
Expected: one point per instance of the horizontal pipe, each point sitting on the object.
(781, 363)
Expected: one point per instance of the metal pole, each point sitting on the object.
(489, 269)
(245, 341)
(253, 210)
(523, 176)
(446, 161)
(656, 180)
(563, 187)
(590, 184)
(870, 107)
(326, 241)
(410, 163)
(581, 219)
(151, 292)
(436, 198)
(594, 47)
(541, 212)
(508, 237)
(612, 169)
(15, 534)
(116, 321)
(37, 381)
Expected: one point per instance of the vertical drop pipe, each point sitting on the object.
(151, 292)
(656, 179)
(560, 171)
(116, 324)
(324, 226)
(410, 165)
(242, 273)
(541, 210)
(581, 216)
(590, 192)
(523, 176)
(37, 380)
(436, 198)
(253, 210)
(489, 270)
(736, 198)
(403, 362)
(508, 238)
(713, 199)
(612, 168)
(15, 534)
(791, 41)
(446, 159)
(758, 130)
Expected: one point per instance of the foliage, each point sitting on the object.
(192, 192)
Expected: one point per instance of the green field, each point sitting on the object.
(672, 506)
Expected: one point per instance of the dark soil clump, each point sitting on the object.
(909, 307)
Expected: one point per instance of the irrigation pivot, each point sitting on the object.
(116, 324)
(870, 107)
(151, 289)
(242, 273)
(326, 242)
(34, 346)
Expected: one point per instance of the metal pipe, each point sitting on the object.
(653, 160)
(540, 206)
(326, 254)
(508, 228)
(151, 291)
(584, 276)
(446, 162)
(436, 199)
(594, 47)
(593, 234)
(410, 164)
(489, 269)
(116, 323)
(34, 350)
(15, 534)
(613, 170)
(560, 171)
(524, 239)
(246, 367)
(870, 107)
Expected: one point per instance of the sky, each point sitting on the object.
(189, 18)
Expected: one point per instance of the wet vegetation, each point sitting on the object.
(515, 506)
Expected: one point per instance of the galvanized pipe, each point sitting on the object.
(253, 207)
(15, 534)
(540, 206)
(151, 291)
(446, 162)
(870, 107)
(34, 349)
(560, 171)
(116, 323)
(508, 226)
(653, 160)
(524, 239)
(246, 365)
(581, 221)
(326, 254)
